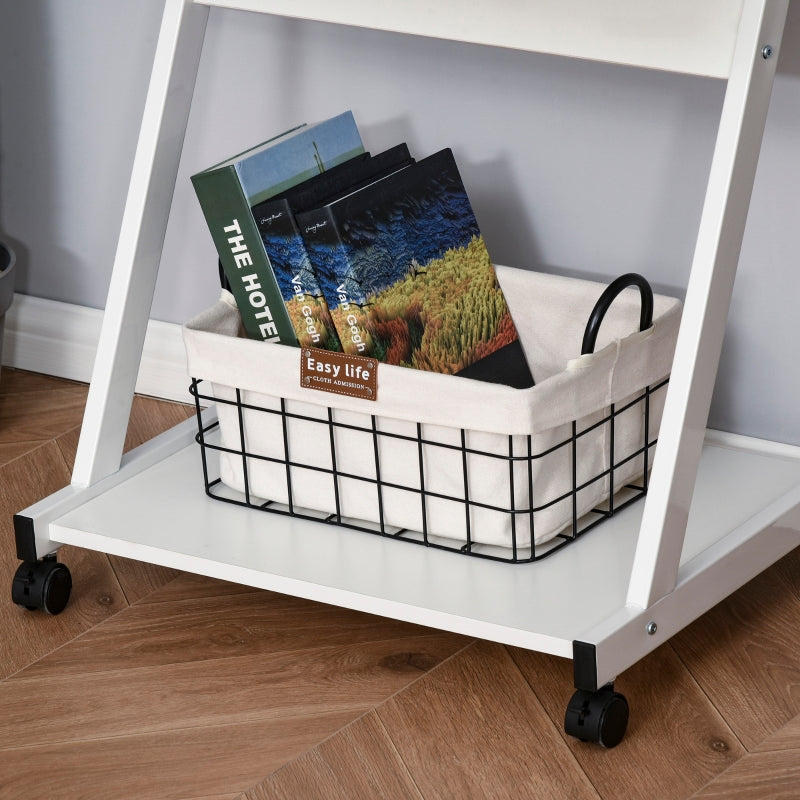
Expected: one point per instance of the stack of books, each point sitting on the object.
(325, 245)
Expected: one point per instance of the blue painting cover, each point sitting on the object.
(408, 279)
(285, 247)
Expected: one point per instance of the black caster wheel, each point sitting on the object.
(600, 716)
(44, 584)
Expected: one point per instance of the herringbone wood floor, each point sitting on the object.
(157, 684)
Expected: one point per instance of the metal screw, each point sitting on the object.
(767, 51)
(651, 628)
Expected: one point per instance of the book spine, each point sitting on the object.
(244, 260)
(331, 264)
(295, 276)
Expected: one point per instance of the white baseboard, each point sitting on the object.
(60, 339)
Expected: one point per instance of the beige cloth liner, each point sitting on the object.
(550, 313)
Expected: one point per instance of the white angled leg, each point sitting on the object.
(141, 238)
(707, 301)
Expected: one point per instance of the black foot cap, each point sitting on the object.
(44, 584)
(600, 716)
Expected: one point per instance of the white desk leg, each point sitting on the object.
(141, 238)
(707, 303)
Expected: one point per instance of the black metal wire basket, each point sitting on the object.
(519, 506)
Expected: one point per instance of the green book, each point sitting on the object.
(227, 191)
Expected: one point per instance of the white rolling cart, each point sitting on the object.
(720, 509)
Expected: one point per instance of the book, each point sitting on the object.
(285, 249)
(345, 177)
(228, 190)
(408, 278)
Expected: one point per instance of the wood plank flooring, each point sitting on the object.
(156, 684)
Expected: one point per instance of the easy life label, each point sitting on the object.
(340, 373)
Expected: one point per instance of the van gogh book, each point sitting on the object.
(228, 190)
(286, 251)
(408, 279)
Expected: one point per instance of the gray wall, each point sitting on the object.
(572, 167)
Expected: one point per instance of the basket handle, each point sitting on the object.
(608, 297)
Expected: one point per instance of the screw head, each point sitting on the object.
(651, 628)
(767, 51)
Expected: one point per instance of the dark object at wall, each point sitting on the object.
(7, 261)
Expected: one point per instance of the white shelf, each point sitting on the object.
(681, 36)
(162, 515)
